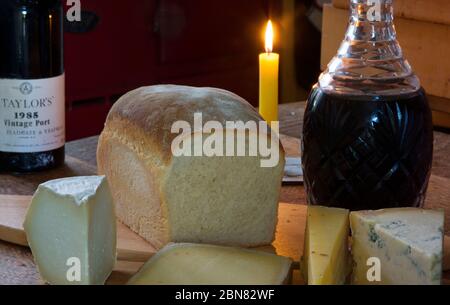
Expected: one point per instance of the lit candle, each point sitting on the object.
(268, 79)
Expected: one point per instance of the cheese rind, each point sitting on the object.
(408, 242)
(326, 259)
(196, 264)
(72, 221)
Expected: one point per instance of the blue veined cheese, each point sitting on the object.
(71, 230)
(407, 242)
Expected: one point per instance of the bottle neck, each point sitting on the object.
(372, 10)
(370, 60)
(371, 20)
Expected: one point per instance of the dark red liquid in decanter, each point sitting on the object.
(368, 133)
(367, 152)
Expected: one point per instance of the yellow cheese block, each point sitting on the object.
(196, 264)
(326, 259)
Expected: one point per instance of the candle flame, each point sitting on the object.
(269, 37)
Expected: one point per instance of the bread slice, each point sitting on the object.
(217, 200)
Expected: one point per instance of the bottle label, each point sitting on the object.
(32, 114)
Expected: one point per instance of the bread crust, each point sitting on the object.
(154, 109)
(141, 121)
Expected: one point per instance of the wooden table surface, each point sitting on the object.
(18, 260)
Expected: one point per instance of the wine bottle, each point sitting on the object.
(32, 94)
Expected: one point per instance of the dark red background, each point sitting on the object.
(144, 42)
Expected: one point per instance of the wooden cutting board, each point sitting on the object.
(133, 251)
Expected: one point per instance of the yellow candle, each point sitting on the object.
(268, 79)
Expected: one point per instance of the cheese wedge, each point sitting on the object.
(71, 230)
(195, 264)
(326, 258)
(404, 246)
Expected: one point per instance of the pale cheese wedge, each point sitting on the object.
(196, 264)
(71, 230)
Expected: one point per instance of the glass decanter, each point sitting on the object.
(368, 135)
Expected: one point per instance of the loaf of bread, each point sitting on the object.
(166, 198)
